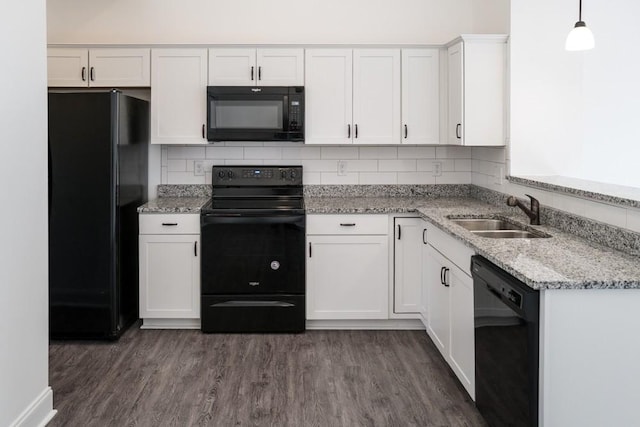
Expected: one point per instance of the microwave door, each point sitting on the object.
(246, 118)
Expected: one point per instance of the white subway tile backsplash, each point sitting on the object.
(225, 153)
(378, 152)
(177, 165)
(263, 153)
(361, 165)
(489, 154)
(180, 152)
(339, 153)
(406, 165)
(416, 178)
(164, 151)
(613, 215)
(301, 153)
(378, 178)
(454, 178)
(425, 165)
(364, 164)
(185, 178)
(249, 162)
(311, 178)
(454, 152)
(416, 152)
(320, 165)
(462, 165)
(448, 165)
(331, 178)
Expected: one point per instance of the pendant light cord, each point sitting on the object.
(580, 11)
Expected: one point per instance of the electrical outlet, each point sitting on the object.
(437, 168)
(198, 167)
(342, 167)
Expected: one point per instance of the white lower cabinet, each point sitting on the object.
(407, 260)
(347, 267)
(449, 304)
(169, 270)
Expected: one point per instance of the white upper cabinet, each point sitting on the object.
(99, 67)
(476, 81)
(328, 96)
(352, 96)
(376, 96)
(256, 67)
(179, 96)
(420, 96)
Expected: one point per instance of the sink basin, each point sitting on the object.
(498, 228)
(484, 224)
(509, 234)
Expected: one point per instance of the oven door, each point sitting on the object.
(247, 113)
(252, 254)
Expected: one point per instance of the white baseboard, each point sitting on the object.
(391, 324)
(38, 413)
(170, 324)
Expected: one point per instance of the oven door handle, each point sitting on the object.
(254, 219)
(280, 304)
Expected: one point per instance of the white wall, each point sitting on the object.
(574, 113)
(25, 398)
(259, 21)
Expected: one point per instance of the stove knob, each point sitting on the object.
(230, 174)
(221, 174)
(283, 174)
(292, 175)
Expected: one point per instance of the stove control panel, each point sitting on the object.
(249, 176)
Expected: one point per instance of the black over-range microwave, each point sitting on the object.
(249, 113)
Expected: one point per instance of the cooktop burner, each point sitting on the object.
(254, 205)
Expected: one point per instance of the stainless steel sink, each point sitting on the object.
(485, 224)
(498, 228)
(509, 234)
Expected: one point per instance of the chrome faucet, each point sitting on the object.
(533, 213)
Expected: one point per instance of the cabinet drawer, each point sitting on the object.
(169, 224)
(453, 249)
(347, 224)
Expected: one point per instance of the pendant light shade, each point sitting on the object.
(581, 37)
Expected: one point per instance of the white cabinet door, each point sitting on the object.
(328, 96)
(169, 276)
(178, 96)
(455, 78)
(462, 346)
(420, 96)
(280, 67)
(347, 277)
(119, 67)
(67, 67)
(256, 67)
(376, 96)
(437, 301)
(407, 286)
(232, 67)
(476, 91)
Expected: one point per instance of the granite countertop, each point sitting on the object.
(174, 205)
(563, 261)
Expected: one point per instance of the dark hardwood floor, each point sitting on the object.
(319, 378)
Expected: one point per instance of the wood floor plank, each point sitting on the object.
(319, 378)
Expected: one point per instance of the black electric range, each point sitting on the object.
(253, 258)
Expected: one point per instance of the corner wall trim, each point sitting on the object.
(39, 412)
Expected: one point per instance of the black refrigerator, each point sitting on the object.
(98, 160)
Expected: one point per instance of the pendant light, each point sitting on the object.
(581, 37)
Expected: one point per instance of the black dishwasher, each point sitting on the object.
(506, 320)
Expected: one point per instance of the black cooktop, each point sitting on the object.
(248, 205)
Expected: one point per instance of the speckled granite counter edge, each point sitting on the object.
(585, 194)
